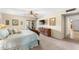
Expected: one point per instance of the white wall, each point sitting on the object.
(10, 17)
(1, 20)
(47, 13)
(58, 30)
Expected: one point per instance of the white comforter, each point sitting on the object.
(15, 41)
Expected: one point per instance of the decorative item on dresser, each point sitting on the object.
(45, 31)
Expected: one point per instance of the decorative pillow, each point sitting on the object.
(10, 31)
(15, 31)
(26, 28)
(3, 33)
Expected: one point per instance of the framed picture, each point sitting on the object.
(15, 22)
(21, 22)
(7, 22)
(52, 21)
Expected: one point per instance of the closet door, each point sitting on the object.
(75, 25)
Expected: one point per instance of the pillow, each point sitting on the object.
(10, 31)
(3, 33)
(25, 28)
(15, 31)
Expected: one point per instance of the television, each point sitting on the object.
(42, 22)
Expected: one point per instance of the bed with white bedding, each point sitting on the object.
(22, 41)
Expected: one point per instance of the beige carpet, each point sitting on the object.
(37, 48)
(47, 43)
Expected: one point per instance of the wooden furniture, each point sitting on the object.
(45, 31)
(36, 31)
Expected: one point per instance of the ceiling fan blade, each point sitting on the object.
(31, 12)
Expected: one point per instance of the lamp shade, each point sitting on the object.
(2, 26)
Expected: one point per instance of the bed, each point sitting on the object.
(21, 41)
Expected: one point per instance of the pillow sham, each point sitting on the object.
(10, 31)
(3, 33)
(15, 31)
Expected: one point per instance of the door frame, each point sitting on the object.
(64, 21)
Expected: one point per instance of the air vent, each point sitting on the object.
(69, 10)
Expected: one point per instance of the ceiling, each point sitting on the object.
(25, 11)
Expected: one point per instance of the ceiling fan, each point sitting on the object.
(34, 14)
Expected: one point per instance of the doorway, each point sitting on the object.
(31, 24)
(71, 22)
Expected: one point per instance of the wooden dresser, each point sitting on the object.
(45, 31)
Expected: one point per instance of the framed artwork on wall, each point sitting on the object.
(21, 22)
(15, 22)
(52, 21)
(6, 22)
